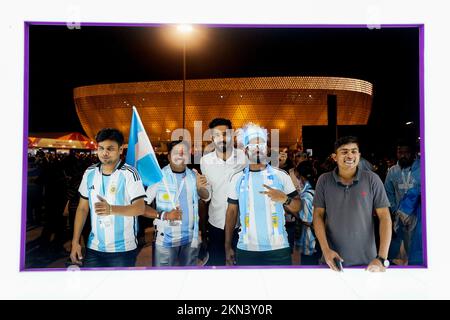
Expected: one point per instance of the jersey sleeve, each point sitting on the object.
(288, 186)
(150, 194)
(380, 199)
(231, 194)
(135, 188)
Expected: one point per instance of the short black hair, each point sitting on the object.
(220, 122)
(172, 144)
(306, 169)
(110, 134)
(406, 142)
(345, 140)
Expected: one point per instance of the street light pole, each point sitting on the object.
(184, 30)
(184, 84)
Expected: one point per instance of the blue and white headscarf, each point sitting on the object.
(251, 131)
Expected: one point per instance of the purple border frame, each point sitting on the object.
(318, 26)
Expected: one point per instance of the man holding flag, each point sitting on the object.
(176, 215)
(176, 189)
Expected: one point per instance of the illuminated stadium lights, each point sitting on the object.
(289, 96)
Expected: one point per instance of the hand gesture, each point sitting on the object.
(174, 214)
(201, 180)
(274, 194)
(102, 208)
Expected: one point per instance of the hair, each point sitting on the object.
(172, 145)
(220, 122)
(402, 142)
(306, 170)
(110, 134)
(345, 140)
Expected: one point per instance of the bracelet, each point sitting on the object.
(161, 215)
(110, 209)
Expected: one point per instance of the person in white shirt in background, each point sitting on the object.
(217, 167)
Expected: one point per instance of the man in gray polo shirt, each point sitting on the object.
(344, 202)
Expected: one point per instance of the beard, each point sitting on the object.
(405, 162)
(108, 161)
(257, 158)
(221, 146)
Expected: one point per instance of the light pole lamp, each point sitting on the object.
(185, 30)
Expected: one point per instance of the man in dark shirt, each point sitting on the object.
(344, 202)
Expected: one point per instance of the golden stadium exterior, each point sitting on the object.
(284, 103)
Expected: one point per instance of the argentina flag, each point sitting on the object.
(140, 152)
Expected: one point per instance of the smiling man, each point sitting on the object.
(113, 193)
(176, 215)
(258, 197)
(344, 202)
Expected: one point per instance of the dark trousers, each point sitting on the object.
(311, 260)
(97, 259)
(290, 229)
(279, 257)
(216, 245)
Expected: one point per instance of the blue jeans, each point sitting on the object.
(176, 256)
(98, 259)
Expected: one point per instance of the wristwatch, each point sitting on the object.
(160, 214)
(288, 201)
(384, 262)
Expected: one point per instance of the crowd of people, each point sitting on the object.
(236, 207)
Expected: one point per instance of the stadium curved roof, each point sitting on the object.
(284, 103)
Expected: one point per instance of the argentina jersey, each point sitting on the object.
(112, 233)
(262, 220)
(307, 241)
(181, 188)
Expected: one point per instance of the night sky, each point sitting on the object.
(61, 59)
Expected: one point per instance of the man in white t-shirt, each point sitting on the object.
(218, 167)
(259, 196)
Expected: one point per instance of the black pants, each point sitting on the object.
(290, 229)
(216, 245)
(279, 257)
(97, 259)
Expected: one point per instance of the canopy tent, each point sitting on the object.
(74, 140)
(74, 136)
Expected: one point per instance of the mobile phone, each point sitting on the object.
(338, 264)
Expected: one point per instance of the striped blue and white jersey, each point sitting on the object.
(112, 233)
(307, 241)
(185, 184)
(262, 220)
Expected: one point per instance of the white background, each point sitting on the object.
(221, 284)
